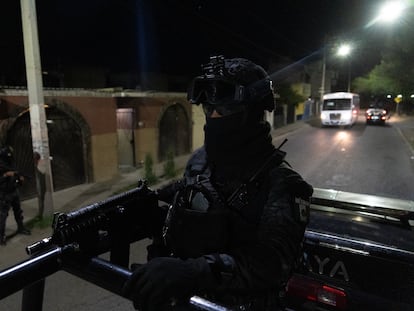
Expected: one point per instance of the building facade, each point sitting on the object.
(94, 133)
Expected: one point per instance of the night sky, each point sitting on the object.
(176, 36)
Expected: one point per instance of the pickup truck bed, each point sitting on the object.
(359, 254)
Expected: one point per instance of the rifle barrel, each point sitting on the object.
(29, 271)
(95, 270)
(112, 277)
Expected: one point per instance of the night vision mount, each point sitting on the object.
(214, 68)
(215, 87)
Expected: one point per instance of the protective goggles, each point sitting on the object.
(214, 91)
(227, 97)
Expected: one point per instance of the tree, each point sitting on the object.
(149, 173)
(395, 73)
(288, 96)
(378, 82)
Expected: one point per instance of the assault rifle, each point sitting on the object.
(77, 240)
(18, 175)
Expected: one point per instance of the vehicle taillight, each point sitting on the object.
(305, 288)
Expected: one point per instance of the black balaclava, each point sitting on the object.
(236, 144)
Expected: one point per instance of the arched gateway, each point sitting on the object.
(68, 141)
(174, 132)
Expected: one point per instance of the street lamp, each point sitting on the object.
(389, 12)
(322, 89)
(343, 51)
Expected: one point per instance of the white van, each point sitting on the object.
(339, 108)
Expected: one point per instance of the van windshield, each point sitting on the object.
(337, 104)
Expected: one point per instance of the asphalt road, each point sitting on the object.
(375, 160)
(368, 159)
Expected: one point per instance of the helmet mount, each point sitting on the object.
(232, 82)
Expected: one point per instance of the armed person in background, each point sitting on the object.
(10, 180)
(236, 222)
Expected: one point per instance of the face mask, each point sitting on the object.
(224, 135)
(223, 110)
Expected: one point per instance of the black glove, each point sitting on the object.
(164, 280)
(167, 192)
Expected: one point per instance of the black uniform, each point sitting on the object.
(9, 194)
(252, 246)
(237, 219)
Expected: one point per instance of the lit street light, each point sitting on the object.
(343, 51)
(389, 12)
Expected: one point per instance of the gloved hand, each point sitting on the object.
(166, 279)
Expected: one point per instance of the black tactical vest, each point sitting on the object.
(197, 222)
(200, 221)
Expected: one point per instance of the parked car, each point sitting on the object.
(376, 115)
(359, 254)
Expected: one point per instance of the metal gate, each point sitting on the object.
(174, 132)
(125, 118)
(66, 150)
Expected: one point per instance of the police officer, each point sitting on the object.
(10, 180)
(236, 222)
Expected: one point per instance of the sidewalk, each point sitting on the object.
(73, 198)
(81, 195)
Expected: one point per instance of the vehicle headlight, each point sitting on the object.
(346, 115)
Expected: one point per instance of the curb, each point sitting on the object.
(79, 196)
(76, 197)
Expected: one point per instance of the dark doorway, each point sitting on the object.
(174, 132)
(125, 118)
(66, 150)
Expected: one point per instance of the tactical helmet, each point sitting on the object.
(231, 85)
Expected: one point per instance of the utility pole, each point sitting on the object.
(349, 75)
(322, 89)
(40, 140)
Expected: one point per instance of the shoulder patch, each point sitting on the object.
(302, 209)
